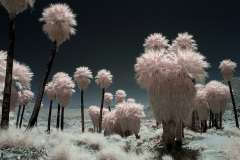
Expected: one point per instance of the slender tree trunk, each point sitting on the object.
(101, 109)
(58, 115)
(234, 106)
(8, 75)
(37, 106)
(19, 109)
(109, 108)
(182, 130)
(210, 119)
(20, 125)
(220, 117)
(62, 119)
(49, 117)
(193, 121)
(82, 111)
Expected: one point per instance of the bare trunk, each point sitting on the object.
(234, 106)
(210, 119)
(36, 109)
(20, 125)
(62, 119)
(101, 109)
(82, 111)
(109, 108)
(49, 117)
(19, 109)
(220, 119)
(193, 121)
(182, 130)
(58, 115)
(8, 75)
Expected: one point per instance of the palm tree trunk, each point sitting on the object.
(20, 125)
(210, 119)
(101, 109)
(36, 109)
(193, 120)
(8, 75)
(62, 118)
(220, 119)
(109, 108)
(234, 106)
(58, 115)
(82, 110)
(182, 130)
(49, 117)
(19, 109)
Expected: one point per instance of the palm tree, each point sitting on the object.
(104, 79)
(108, 99)
(50, 90)
(64, 90)
(59, 22)
(25, 97)
(227, 68)
(120, 96)
(82, 76)
(14, 7)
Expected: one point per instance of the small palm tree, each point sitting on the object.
(120, 96)
(82, 76)
(64, 90)
(104, 79)
(108, 99)
(59, 22)
(227, 68)
(14, 7)
(50, 90)
(24, 99)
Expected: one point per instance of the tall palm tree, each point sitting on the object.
(82, 76)
(64, 87)
(25, 97)
(108, 99)
(14, 7)
(104, 79)
(59, 22)
(227, 68)
(50, 90)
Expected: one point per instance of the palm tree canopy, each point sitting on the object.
(104, 78)
(25, 97)
(82, 76)
(108, 98)
(15, 7)
(50, 90)
(120, 96)
(156, 42)
(131, 100)
(59, 22)
(227, 68)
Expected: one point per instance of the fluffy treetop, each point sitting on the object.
(64, 87)
(82, 76)
(156, 42)
(15, 7)
(199, 86)
(59, 22)
(108, 98)
(25, 96)
(184, 41)
(22, 75)
(227, 68)
(104, 78)
(120, 96)
(3, 57)
(50, 90)
(216, 90)
(131, 100)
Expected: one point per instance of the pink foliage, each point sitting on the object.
(25, 96)
(227, 68)
(120, 96)
(82, 76)
(59, 22)
(3, 57)
(108, 98)
(110, 125)
(94, 113)
(184, 41)
(64, 87)
(131, 100)
(15, 7)
(104, 78)
(50, 90)
(217, 93)
(156, 42)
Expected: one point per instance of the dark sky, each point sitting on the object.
(110, 35)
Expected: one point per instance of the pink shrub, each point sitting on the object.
(227, 68)
(120, 96)
(94, 113)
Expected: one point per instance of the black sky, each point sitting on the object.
(110, 35)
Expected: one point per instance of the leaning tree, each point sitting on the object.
(14, 7)
(104, 79)
(59, 22)
(227, 68)
(82, 76)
